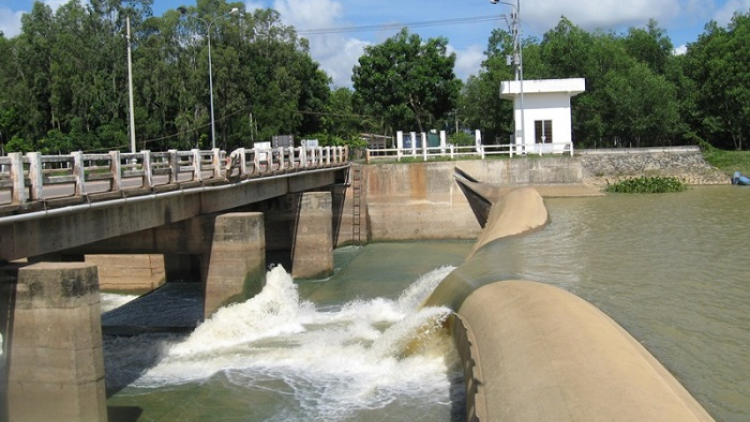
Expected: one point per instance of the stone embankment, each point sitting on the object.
(685, 163)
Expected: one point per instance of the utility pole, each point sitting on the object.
(130, 88)
(516, 59)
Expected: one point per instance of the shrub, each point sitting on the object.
(655, 184)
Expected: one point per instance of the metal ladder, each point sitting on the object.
(356, 204)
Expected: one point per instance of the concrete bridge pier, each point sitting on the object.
(51, 321)
(312, 248)
(235, 266)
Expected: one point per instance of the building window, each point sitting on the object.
(543, 131)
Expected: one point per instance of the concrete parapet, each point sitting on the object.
(55, 363)
(236, 264)
(312, 250)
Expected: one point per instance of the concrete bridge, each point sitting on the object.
(211, 214)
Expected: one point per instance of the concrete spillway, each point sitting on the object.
(534, 352)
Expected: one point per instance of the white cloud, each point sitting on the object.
(724, 14)
(594, 14)
(250, 6)
(55, 4)
(336, 53)
(681, 50)
(10, 22)
(468, 61)
(309, 14)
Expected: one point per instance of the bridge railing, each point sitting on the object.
(32, 176)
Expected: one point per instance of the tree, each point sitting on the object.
(717, 63)
(408, 80)
(650, 46)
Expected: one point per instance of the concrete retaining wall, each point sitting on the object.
(421, 201)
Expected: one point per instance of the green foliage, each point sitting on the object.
(407, 80)
(17, 144)
(66, 74)
(638, 92)
(718, 63)
(728, 161)
(643, 184)
(461, 139)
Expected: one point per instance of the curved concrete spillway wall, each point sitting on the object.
(534, 352)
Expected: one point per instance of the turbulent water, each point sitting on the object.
(280, 358)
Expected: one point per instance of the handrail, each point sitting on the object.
(453, 152)
(30, 177)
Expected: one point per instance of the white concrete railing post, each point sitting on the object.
(174, 166)
(20, 196)
(197, 164)
(243, 161)
(399, 145)
(216, 162)
(79, 173)
(423, 136)
(115, 169)
(148, 175)
(303, 157)
(282, 159)
(451, 150)
(413, 144)
(256, 161)
(328, 156)
(443, 142)
(36, 178)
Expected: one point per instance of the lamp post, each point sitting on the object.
(517, 56)
(208, 24)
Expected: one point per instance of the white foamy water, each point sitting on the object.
(330, 364)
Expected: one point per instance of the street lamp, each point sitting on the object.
(517, 56)
(210, 73)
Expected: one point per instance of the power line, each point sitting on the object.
(387, 26)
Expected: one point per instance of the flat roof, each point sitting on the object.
(572, 87)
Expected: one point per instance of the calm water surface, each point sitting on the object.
(672, 269)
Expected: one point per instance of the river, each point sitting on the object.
(670, 268)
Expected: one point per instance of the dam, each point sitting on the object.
(662, 299)
(185, 381)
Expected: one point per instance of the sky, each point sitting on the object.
(466, 24)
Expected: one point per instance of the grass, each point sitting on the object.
(728, 161)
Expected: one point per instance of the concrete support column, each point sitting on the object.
(55, 364)
(312, 251)
(236, 264)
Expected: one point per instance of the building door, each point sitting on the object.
(543, 135)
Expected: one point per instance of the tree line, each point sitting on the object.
(639, 93)
(65, 82)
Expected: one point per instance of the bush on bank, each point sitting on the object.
(643, 184)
